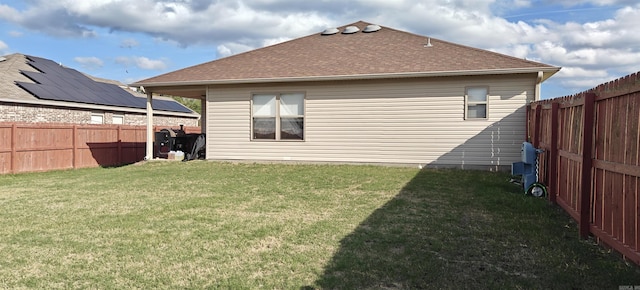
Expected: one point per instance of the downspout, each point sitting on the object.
(203, 111)
(149, 154)
(536, 96)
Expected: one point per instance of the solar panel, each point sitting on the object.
(37, 77)
(56, 82)
(172, 106)
(44, 91)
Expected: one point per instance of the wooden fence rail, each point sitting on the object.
(591, 163)
(28, 147)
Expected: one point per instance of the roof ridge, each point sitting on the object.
(387, 51)
(253, 50)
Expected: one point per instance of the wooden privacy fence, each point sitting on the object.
(591, 162)
(27, 147)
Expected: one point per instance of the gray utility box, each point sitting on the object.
(527, 168)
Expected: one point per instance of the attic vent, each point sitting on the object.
(350, 30)
(2, 58)
(330, 31)
(371, 28)
(428, 44)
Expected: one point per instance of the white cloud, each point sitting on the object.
(608, 46)
(129, 43)
(89, 62)
(15, 33)
(150, 64)
(578, 72)
(4, 48)
(232, 48)
(142, 62)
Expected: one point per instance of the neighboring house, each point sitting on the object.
(363, 94)
(38, 90)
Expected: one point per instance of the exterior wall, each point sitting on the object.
(15, 112)
(404, 121)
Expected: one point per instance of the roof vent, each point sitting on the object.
(2, 58)
(371, 28)
(350, 30)
(330, 31)
(428, 43)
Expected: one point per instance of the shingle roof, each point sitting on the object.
(33, 79)
(10, 73)
(384, 52)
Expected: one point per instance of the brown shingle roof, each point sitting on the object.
(385, 52)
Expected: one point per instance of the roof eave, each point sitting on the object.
(63, 104)
(547, 72)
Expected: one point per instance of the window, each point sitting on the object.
(278, 117)
(117, 119)
(97, 118)
(476, 102)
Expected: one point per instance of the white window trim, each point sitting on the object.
(278, 117)
(467, 103)
(101, 115)
(114, 116)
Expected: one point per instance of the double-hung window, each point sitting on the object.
(97, 118)
(117, 119)
(277, 116)
(476, 103)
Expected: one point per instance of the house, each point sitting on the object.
(38, 90)
(363, 93)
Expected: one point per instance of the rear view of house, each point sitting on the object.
(363, 93)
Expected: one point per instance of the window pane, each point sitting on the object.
(477, 111)
(97, 119)
(118, 119)
(292, 105)
(292, 128)
(476, 94)
(264, 105)
(264, 128)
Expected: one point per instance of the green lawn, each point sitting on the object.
(245, 226)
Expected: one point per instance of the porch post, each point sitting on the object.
(149, 154)
(203, 115)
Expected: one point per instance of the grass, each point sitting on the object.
(246, 226)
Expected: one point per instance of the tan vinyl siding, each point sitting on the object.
(415, 121)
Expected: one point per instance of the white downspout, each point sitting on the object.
(149, 154)
(203, 111)
(538, 86)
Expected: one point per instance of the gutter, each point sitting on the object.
(96, 107)
(547, 72)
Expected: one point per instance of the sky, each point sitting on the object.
(594, 41)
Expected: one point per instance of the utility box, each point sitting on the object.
(529, 153)
(527, 168)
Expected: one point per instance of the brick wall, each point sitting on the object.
(12, 112)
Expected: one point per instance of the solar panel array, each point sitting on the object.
(55, 82)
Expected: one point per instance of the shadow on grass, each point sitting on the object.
(400, 244)
(450, 229)
(112, 154)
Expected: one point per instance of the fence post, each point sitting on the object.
(587, 162)
(537, 126)
(14, 150)
(119, 140)
(74, 139)
(527, 130)
(553, 154)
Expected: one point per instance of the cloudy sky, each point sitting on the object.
(127, 40)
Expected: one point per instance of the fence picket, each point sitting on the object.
(43, 147)
(595, 174)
